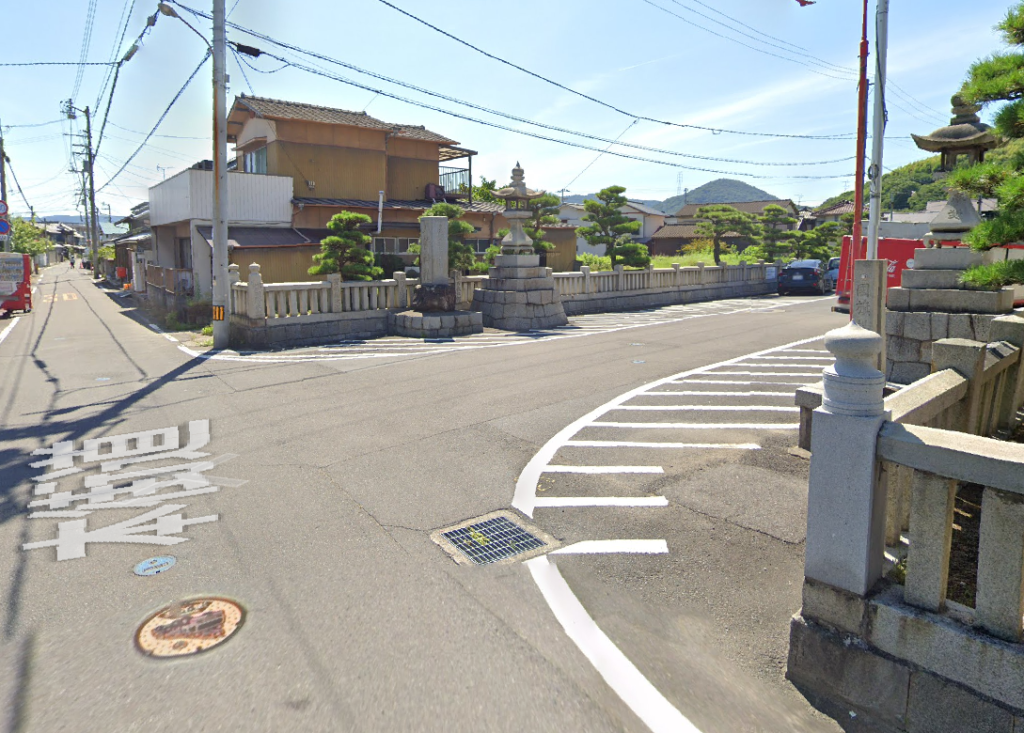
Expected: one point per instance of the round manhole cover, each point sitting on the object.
(189, 627)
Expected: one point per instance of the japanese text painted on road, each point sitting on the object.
(148, 470)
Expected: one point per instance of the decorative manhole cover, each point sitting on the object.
(189, 627)
(492, 538)
(155, 565)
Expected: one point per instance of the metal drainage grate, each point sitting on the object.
(492, 540)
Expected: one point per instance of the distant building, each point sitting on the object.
(680, 230)
(650, 219)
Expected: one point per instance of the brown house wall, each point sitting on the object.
(336, 172)
(277, 264)
(408, 177)
(563, 257)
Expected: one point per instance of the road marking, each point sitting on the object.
(711, 408)
(7, 331)
(163, 333)
(788, 394)
(772, 365)
(694, 426)
(809, 375)
(827, 357)
(606, 547)
(542, 502)
(635, 444)
(730, 381)
(603, 469)
(621, 674)
(59, 296)
(525, 496)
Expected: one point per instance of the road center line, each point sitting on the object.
(621, 674)
(603, 469)
(603, 547)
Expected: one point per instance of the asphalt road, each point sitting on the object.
(354, 618)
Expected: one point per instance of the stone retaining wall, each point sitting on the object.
(910, 336)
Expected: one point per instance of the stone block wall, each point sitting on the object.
(909, 338)
(616, 301)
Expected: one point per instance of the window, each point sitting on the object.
(393, 245)
(256, 161)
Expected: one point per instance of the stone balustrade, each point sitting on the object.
(884, 477)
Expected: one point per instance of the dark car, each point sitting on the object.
(804, 276)
(833, 271)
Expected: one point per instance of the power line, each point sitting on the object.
(643, 118)
(534, 135)
(90, 17)
(176, 137)
(126, 17)
(241, 68)
(35, 124)
(60, 63)
(158, 122)
(20, 190)
(591, 163)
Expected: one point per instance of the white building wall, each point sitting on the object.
(252, 199)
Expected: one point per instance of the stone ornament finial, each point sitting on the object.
(517, 198)
(852, 385)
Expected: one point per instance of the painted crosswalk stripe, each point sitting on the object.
(604, 547)
(599, 501)
(603, 469)
(655, 444)
(827, 357)
(788, 394)
(693, 426)
(743, 383)
(709, 408)
(769, 374)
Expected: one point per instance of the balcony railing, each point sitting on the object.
(454, 180)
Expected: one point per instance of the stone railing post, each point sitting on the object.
(846, 502)
(1011, 330)
(760, 269)
(867, 301)
(619, 277)
(233, 277)
(968, 359)
(585, 270)
(650, 276)
(257, 305)
(677, 275)
(401, 292)
(700, 273)
(335, 280)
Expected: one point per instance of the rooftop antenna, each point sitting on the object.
(163, 171)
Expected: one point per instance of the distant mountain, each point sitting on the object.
(719, 191)
(578, 199)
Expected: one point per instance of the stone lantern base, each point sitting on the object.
(519, 295)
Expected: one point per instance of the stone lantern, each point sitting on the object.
(965, 134)
(517, 210)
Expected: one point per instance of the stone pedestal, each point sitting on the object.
(431, 298)
(519, 295)
(415, 324)
(931, 304)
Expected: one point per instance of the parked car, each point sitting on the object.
(804, 276)
(833, 271)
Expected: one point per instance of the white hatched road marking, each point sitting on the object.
(393, 347)
(655, 444)
(602, 547)
(621, 674)
(599, 501)
(603, 469)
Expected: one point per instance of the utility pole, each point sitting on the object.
(220, 179)
(862, 109)
(878, 127)
(92, 196)
(3, 184)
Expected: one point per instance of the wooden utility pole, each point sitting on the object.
(92, 195)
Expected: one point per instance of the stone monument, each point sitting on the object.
(433, 313)
(519, 294)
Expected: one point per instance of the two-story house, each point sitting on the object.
(651, 220)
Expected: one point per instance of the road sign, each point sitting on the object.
(5, 227)
(3, 208)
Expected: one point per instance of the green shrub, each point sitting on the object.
(388, 264)
(596, 263)
(995, 275)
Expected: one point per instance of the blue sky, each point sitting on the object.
(628, 53)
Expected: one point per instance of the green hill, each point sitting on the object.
(719, 191)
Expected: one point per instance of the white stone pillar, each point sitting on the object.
(846, 502)
(257, 305)
(433, 250)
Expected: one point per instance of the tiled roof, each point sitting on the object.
(676, 231)
(843, 207)
(750, 207)
(645, 209)
(421, 205)
(283, 110)
(260, 236)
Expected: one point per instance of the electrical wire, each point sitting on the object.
(158, 122)
(35, 124)
(59, 63)
(642, 118)
(176, 137)
(242, 69)
(90, 17)
(534, 135)
(123, 21)
(20, 190)
(591, 163)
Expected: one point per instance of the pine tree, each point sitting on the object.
(776, 231)
(543, 210)
(610, 227)
(346, 251)
(721, 221)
